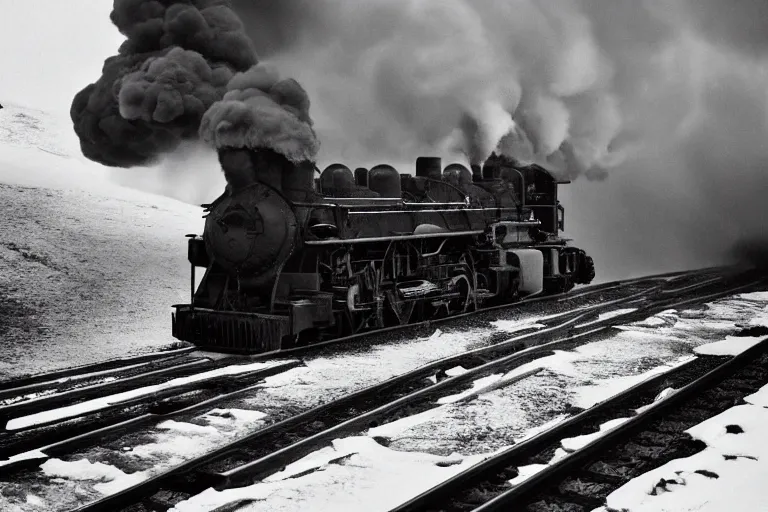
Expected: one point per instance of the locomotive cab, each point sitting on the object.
(541, 197)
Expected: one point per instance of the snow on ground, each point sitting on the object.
(513, 326)
(106, 401)
(731, 345)
(490, 383)
(493, 421)
(65, 484)
(594, 393)
(756, 296)
(728, 475)
(382, 479)
(111, 479)
(88, 269)
(394, 428)
(322, 379)
(577, 378)
(572, 444)
(608, 315)
(357, 473)
(526, 472)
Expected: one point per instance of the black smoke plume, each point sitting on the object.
(179, 59)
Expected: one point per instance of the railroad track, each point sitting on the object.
(271, 448)
(30, 396)
(639, 441)
(58, 381)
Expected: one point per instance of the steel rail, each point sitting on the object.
(148, 487)
(92, 367)
(259, 468)
(22, 392)
(80, 438)
(246, 472)
(18, 386)
(294, 352)
(74, 396)
(575, 460)
(113, 429)
(38, 453)
(531, 446)
(565, 429)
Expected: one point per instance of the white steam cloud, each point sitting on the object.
(668, 100)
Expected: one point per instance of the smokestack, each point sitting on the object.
(477, 172)
(429, 167)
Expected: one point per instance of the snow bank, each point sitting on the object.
(381, 478)
(112, 479)
(730, 346)
(728, 475)
(755, 296)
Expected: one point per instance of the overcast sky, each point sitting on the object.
(50, 49)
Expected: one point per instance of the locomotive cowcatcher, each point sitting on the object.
(291, 258)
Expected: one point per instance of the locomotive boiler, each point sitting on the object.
(295, 256)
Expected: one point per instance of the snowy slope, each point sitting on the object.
(88, 269)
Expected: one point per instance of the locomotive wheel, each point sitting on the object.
(470, 295)
(463, 303)
(465, 283)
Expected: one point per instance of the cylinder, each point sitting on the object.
(385, 180)
(361, 177)
(429, 167)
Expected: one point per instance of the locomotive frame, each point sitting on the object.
(292, 260)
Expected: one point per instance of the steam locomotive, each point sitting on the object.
(292, 258)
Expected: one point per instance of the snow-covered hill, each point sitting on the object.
(88, 269)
